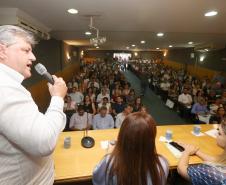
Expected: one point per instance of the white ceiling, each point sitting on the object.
(126, 22)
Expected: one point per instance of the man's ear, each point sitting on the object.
(2, 52)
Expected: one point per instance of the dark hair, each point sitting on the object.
(135, 156)
(80, 107)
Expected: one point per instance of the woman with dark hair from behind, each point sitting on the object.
(134, 160)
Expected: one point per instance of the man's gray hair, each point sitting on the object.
(9, 33)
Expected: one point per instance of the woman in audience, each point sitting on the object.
(91, 94)
(134, 160)
(213, 170)
(137, 104)
(198, 96)
(69, 105)
(89, 106)
(218, 117)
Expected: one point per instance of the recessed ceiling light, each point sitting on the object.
(142, 42)
(88, 33)
(127, 47)
(211, 13)
(72, 11)
(133, 45)
(190, 42)
(170, 46)
(157, 48)
(206, 50)
(160, 34)
(97, 47)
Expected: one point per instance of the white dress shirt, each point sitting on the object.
(80, 122)
(185, 99)
(27, 137)
(119, 119)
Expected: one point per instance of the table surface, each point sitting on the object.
(77, 163)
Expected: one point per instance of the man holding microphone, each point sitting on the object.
(27, 137)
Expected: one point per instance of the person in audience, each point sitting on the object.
(103, 120)
(126, 89)
(80, 120)
(89, 106)
(102, 95)
(121, 116)
(211, 98)
(131, 97)
(137, 104)
(76, 96)
(215, 105)
(200, 108)
(116, 91)
(91, 94)
(164, 86)
(218, 117)
(134, 160)
(69, 105)
(105, 102)
(185, 102)
(118, 106)
(213, 170)
(198, 96)
(93, 83)
(144, 109)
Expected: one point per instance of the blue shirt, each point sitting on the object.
(197, 108)
(204, 174)
(106, 122)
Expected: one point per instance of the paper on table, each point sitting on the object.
(212, 133)
(198, 135)
(163, 139)
(104, 144)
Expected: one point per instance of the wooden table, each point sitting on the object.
(77, 163)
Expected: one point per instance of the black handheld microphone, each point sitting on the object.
(41, 69)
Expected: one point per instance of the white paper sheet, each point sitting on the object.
(212, 133)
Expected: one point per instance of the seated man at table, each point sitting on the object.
(103, 120)
(213, 170)
(80, 120)
(121, 116)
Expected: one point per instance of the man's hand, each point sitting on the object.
(59, 87)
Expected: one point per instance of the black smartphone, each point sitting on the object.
(177, 146)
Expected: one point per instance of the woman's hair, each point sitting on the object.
(134, 157)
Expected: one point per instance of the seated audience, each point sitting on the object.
(91, 94)
(80, 120)
(213, 170)
(129, 163)
(121, 116)
(144, 109)
(200, 108)
(103, 120)
(130, 98)
(218, 117)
